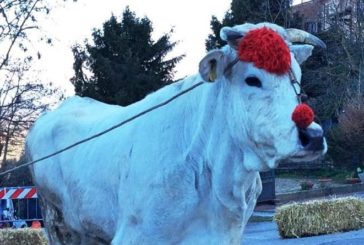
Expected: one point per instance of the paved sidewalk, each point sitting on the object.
(266, 233)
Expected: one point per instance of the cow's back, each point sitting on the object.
(74, 120)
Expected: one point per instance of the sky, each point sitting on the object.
(74, 22)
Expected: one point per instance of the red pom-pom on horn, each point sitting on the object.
(303, 115)
(266, 49)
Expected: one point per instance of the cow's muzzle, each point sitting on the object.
(312, 139)
(311, 142)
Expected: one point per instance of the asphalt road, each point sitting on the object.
(266, 233)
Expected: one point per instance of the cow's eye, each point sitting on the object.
(253, 81)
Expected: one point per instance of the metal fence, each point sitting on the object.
(19, 206)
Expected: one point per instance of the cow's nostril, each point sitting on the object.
(316, 144)
(304, 137)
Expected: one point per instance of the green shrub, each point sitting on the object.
(346, 139)
(320, 217)
(23, 237)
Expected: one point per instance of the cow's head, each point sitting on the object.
(256, 72)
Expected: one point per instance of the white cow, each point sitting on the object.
(187, 173)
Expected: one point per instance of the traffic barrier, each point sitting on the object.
(19, 207)
(18, 193)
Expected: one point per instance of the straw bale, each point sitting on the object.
(320, 217)
(23, 237)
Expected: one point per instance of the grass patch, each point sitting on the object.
(320, 217)
(335, 174)
(254, 218)
(23, 237)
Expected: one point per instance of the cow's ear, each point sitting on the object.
(301, 52)
(212, 66)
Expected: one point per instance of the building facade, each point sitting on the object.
(319, 15)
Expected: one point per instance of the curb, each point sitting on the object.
(323, 192)
(262, 216)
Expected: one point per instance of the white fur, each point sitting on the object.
(186, 173)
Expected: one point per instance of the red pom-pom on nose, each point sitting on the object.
(303, 115)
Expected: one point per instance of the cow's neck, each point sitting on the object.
(219, 162)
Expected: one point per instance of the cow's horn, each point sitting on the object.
(296, 35)
(231, 36)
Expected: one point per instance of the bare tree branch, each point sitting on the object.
(16, 36)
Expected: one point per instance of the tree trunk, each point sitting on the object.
(6, 145)
(5, 153)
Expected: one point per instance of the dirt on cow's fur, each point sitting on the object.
(23, 237)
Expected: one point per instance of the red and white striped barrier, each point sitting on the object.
(18, 192)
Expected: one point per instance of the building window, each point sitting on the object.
(360, 11)
(311, 27)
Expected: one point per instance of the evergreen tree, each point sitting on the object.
(252, 11)
(124, 62)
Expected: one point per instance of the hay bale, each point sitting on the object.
(320, 217)
(23, 237)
